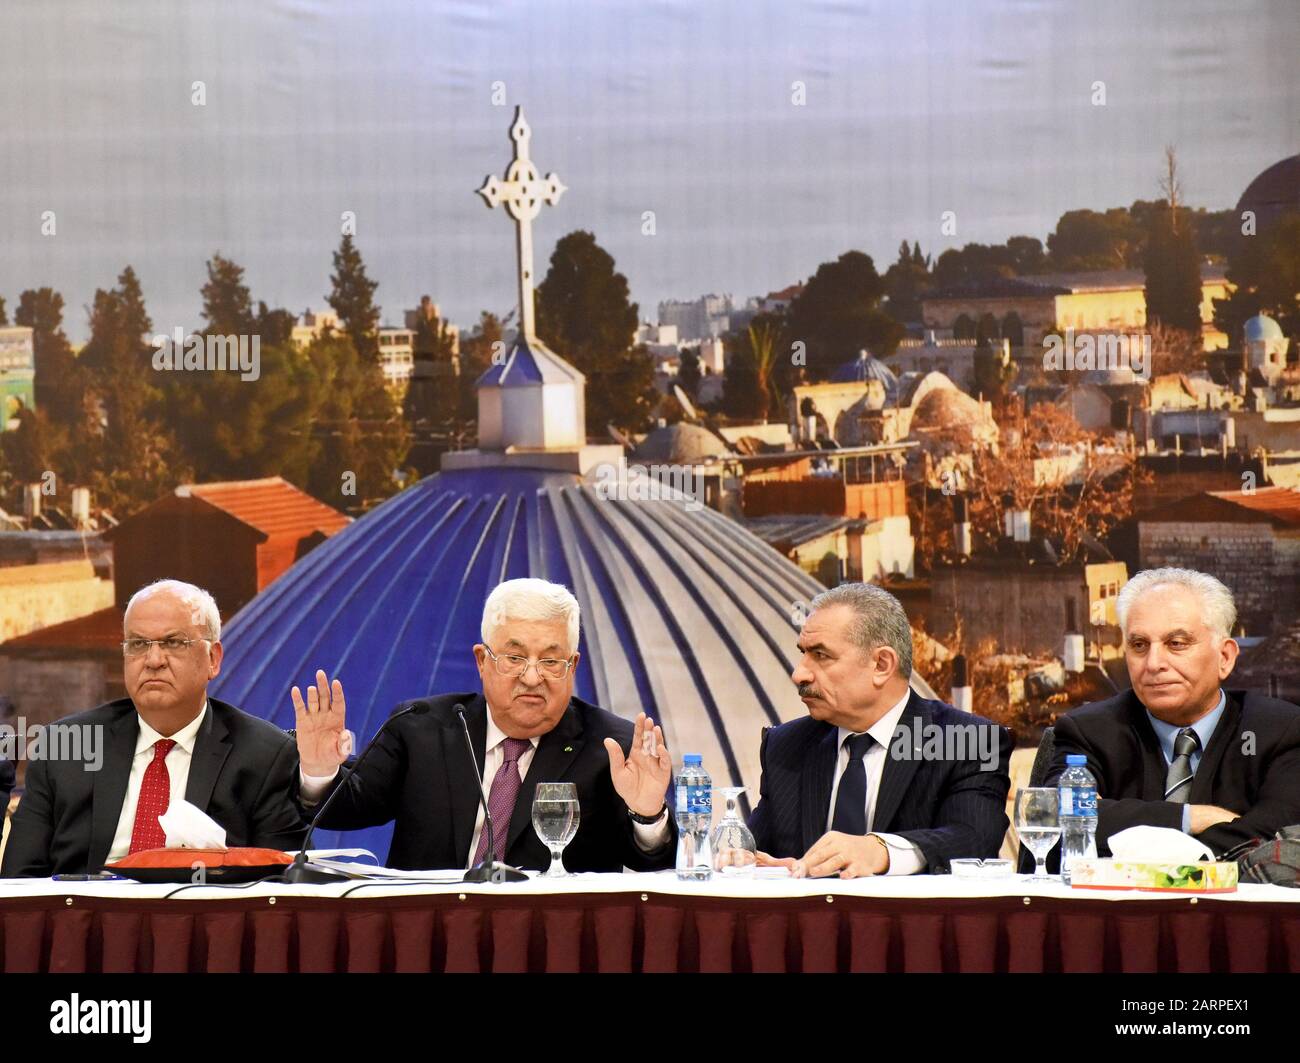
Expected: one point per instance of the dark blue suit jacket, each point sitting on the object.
(949, 808)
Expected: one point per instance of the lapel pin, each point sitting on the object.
(568, 749)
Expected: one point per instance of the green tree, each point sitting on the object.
(1265, 270)
(838, 313)
(688, 373)
(585, 316)
(905, 282)
(991, 376)
(134, 453)
(60, 383)
(353, 298)
(747, 389)
(360, 439)
(476, 353)
(227, 305)
(1171, 260)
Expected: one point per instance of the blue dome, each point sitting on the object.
(685, 615)
(866, 367)
(1261, 327)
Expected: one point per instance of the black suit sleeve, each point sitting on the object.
(370, 797)
(1113, 815)
(1277, 804)
(760, 819)
(634, 857)
(27, 853)
(277, 818)
(972, 812)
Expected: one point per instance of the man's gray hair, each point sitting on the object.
(530, 599)
(878, 620)
(1218, 610)
(204, 613)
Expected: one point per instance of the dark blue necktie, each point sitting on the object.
(851, 798)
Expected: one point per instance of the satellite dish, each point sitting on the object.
(685, 403)
(620, 437)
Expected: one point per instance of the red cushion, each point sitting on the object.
(187, 858)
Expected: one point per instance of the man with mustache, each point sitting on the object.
(526, 727)
(1178, 750)
(860, 786)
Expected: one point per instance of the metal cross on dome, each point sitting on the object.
(523, 191)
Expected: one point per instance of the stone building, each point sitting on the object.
(1248, 539)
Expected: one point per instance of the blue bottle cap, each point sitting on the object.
(1076, 760)
(692, 758)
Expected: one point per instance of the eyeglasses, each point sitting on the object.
(513, 666)
(173, 646)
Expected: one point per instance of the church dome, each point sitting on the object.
(1273, 193)
(866, 367)
(1262, 328)
(685, 614)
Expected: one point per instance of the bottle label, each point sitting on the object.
(695, 800)
(1078, 801)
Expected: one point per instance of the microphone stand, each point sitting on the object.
(490, 870)
(301, 870)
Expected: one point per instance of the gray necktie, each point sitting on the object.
(1178, 783)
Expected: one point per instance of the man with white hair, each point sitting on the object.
(1178, 750)
(166, 741)
(526, 727)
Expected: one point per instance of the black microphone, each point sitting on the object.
(300, 870)
(490, 870)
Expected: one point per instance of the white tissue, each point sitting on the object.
(1157, 845)
(188, 827)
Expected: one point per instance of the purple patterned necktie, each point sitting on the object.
(501, 800)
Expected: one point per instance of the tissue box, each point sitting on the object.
(1104, 873)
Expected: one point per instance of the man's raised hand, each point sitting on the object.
(322, 742)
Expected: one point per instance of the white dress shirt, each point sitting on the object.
(905, 858)
(648, 836)
(178, 774)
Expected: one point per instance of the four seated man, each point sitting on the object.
(874, 780)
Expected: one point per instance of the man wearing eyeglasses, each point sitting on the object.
(526, 727)
(167, 741)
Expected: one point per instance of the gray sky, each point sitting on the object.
(683, 107)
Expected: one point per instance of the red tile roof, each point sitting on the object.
(1280, 503)
(273, 506)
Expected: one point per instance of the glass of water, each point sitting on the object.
(555, 819)
(1038, 823)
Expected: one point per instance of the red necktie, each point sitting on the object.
(155, 796)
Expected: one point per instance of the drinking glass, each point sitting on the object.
(734, 848)
(1038, 823)
(555, 819)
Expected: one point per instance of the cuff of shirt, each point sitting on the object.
(1187, 819)
(311, 788)
(905, 858)
(651, 836)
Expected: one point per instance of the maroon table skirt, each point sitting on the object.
(622, 932)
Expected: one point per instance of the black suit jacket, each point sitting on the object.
(243, 774)
(420, 774)
(948, 808)
(7, 774)
(1251, 766)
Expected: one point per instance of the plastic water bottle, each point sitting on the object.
(1078, 790)
(694, 815)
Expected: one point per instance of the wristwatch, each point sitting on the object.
(648, 820)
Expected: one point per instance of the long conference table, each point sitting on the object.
(643, 922)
